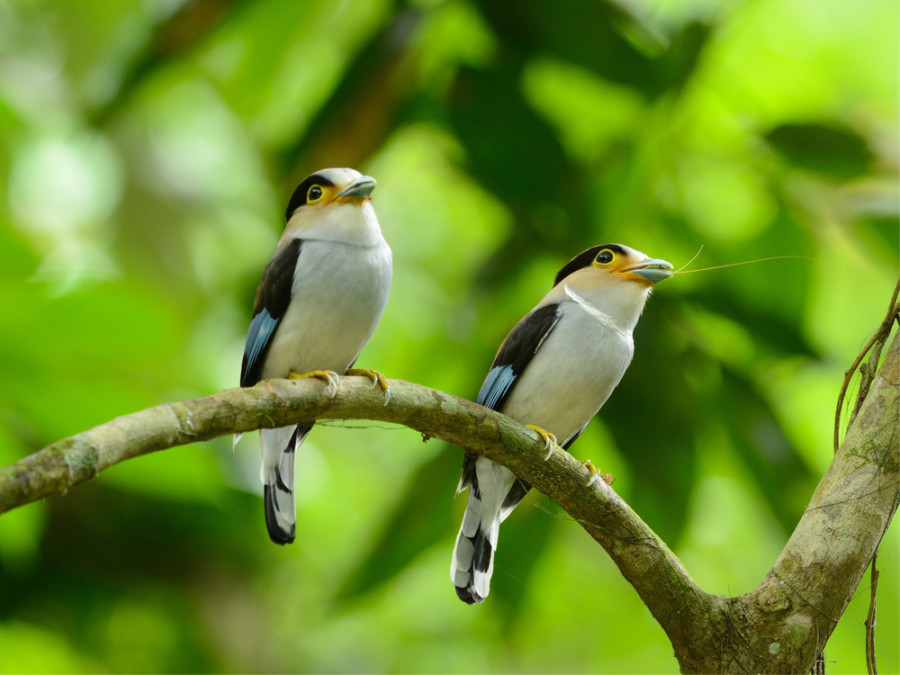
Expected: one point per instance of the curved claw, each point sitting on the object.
(549, 439)
(378, 380)
(594, 471)
(330, 377)
(607, 478)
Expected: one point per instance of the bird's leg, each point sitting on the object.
(607, 478)
(549, 439)
(328, 376)
(378, 380)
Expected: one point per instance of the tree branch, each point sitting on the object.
(643, 557)
(800, 601)
(779, 627)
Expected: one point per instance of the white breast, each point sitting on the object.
(340, 292)
(573, 373)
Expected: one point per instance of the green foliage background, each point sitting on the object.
(148, 150)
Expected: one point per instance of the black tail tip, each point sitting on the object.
(277, 533)
(279, 536)
(468, 596)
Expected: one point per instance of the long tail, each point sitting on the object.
(473, 556)
(493, 493)
(278, 448)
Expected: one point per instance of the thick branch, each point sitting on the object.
(779, 627)
(785, 622)
(644, 559)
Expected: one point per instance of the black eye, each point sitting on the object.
(314, 194)
(605, 257)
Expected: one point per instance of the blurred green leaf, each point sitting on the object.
(778, 470)
(522, 545)
(835, 151)
(650, 418)
(419, 519)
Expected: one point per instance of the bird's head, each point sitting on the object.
(332, 204)
(330, 187)
(612, 278)
(614, 263)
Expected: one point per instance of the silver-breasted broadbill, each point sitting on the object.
(554, 371)
(317, 305)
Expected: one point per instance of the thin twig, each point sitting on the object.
(867, 376)
(871, 664)
(819, 666)
(879, 337)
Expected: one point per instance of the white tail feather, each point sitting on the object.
(478, 535)
(277, 453)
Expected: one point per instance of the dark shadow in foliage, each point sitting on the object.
(743, 296)
(103, 546)
(514, 154)
(652, 415)
(887, 229)
(779, 471)
(171, 41)
(365, 107)
(600, 36)
(422, 516)
(829, 150)
(523, 539)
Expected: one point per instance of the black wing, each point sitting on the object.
(272, 299)
(515, 354)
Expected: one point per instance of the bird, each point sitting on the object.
(317, 304)
(554, 371)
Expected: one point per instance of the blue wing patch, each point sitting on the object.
(496, 385)
(273, 295)
(262, 328)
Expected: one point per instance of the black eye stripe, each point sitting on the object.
(585, 259)
(301, 194)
